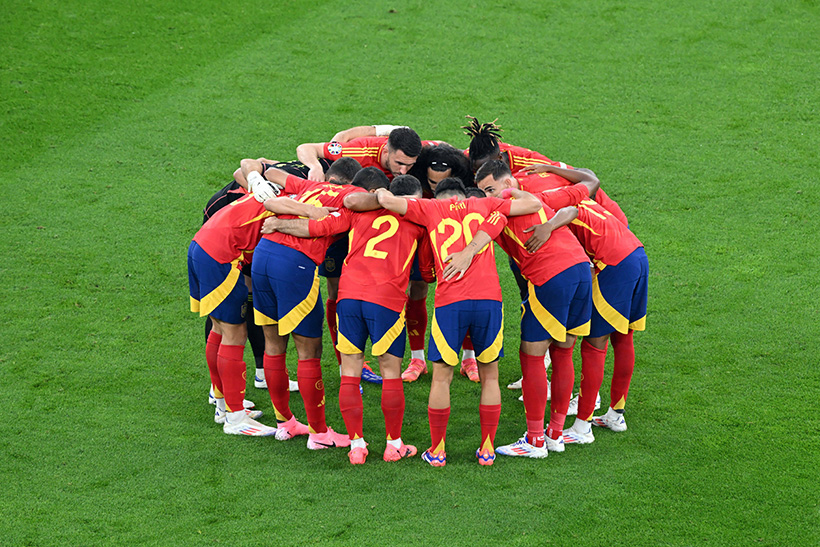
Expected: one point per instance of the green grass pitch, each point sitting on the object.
(119, 120)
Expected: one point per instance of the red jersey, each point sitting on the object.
(368, 151)
(605, 238)
(233, 232)
(561, 251)
(451, 225)
(520, 158)
(320, 194)
(380, 255)
(540, 182)
(562, 193)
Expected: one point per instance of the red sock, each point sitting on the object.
(624, 349)
(468, 342)
(592, 374)
(563, 377)
(350, 403)
(330, 314)
(211, 351)
(416, 316)
(488, 415)
(393, 407)
(312, 389)
(534, 388)
(438, 428)
(233, 372)
(276, 375)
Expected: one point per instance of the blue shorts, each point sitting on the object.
(286, 290)
(357, 319)
(483, 319)
(619, 295)
(561, 306)
(415, 270)
(335, 256)
(216, 289)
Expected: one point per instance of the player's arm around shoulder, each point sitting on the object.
(523, 203)
(362, 201)
(390, 202)
(309, 154)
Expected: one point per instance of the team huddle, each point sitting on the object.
(382, 214)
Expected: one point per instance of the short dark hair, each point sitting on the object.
(370, 178)
(451, 185)
(475, 192)
(405, 185)
(343, 170)
(484, 139)
(495, 168)
(406, 140)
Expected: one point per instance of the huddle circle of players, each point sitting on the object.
(381, 214)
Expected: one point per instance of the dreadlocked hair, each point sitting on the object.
(484, 138)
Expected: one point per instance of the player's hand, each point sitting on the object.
(457, 264)
(269, 226)
(537, 168)
(261, 188)
(383, 192)
(320, 212)
(316, 174)
(266, 190)
(540, 234)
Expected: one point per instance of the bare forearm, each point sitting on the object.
(288, 206)
(563, 217)
(523, 203)
(392, 203)
(296, 227)
(362, 201)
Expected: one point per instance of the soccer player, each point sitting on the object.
(394, 155)
(619, 295)
(556, 310)
(438, 162)
(218, 290)
(486, 145)
(393, 149)
(331, 265)
(234, 190)
(288, 301)
(371, 303)
(470, 302)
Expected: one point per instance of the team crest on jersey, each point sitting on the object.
(330, 264)
(334, 148)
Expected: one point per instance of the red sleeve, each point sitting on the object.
(565, 197)
(416, 211)
(609, 204)
(335, 223)
(495, 222)
(295, 185)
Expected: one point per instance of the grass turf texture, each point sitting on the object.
(118, 122)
